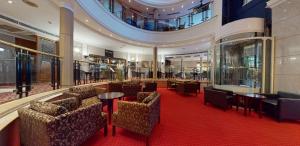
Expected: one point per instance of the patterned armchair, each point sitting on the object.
(86, 94)
(139, 117)
(131, 90)
(60, 123)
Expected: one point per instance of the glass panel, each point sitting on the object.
(239, 63)
(184, 22)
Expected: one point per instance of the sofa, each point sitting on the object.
(140, 116)
(217, 97)
(282, 106)
(60, 123)
(85, 94)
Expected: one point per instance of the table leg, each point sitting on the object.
(245, 105)
(110, 104)
(237, 102)
(260, 108)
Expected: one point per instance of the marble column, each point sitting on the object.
(66, 45)
(155, 63)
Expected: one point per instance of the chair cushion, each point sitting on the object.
(150, 97)
(271, 101)
(69, 103)
(48, 108)
(90, 101)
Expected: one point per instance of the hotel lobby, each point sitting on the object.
(149, 73)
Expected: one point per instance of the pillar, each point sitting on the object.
(66, 30)
(155, 62)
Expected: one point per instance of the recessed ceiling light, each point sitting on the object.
(111, 35)
(172, 9)
(192, 2)
(147, 9)
(1, 49)
(10, 1)
(86, 20)
(129, 0)
(181, 6)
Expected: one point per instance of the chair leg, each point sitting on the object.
(113, 130)
(158, 119)
(147, 140)
(105, 130)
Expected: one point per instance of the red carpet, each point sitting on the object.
(186, 121)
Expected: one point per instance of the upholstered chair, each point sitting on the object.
(139, 117)
(60, 123)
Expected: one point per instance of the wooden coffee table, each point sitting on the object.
(248, 99)
(109, 97)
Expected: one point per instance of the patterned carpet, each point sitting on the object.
(186, 121)
(36, 88)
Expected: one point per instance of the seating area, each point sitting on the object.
(149, 73)
(78, 114)
(280, 106)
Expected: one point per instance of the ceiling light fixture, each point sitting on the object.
(172, 9)
(1, 49)
(192, 2)
(10, 1)
(86, 20)
(181, 6)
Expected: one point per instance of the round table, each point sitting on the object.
(109, 98)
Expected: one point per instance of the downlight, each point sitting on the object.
(30, 3)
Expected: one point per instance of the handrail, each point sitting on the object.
(28, 49)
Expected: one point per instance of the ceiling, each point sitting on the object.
(46, 17)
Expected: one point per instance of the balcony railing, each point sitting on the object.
(198, 15)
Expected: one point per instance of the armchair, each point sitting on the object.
(39, 127)
(282, 106)
(138, 117)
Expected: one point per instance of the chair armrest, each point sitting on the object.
(289, 108)
(274, 96)
(35, 127)
(142, 95)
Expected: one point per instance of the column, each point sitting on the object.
(155, 62)
(66, 44)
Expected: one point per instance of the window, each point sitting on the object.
(245, 2)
